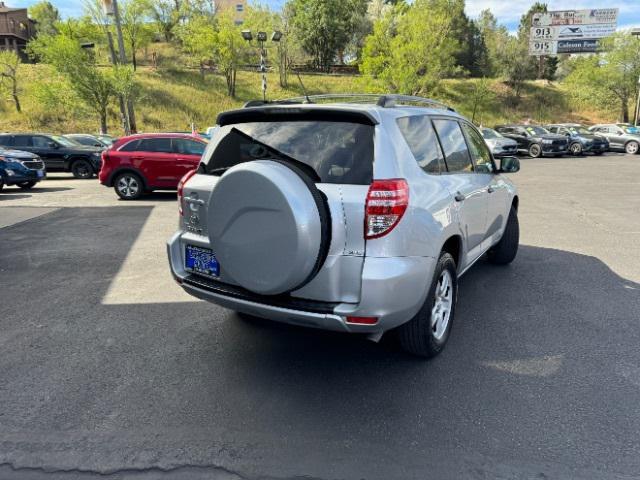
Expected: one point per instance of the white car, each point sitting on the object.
(500, 145)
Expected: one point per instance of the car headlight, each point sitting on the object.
(10, 172)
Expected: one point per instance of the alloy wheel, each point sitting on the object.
(442, 305)
(632, 148)
(128, 186)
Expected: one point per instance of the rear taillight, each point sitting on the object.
(181, 183)
(387, 200)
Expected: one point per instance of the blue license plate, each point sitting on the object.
(201, 260)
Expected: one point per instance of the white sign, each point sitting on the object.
(543, 47)
(572, 32)
(575, 17)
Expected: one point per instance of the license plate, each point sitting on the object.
(40, 173)
(201, 260)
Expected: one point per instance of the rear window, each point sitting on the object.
(422, 141)
(332, 152)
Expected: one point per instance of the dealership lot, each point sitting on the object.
(109, 368)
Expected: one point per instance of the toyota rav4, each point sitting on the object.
(357, 216)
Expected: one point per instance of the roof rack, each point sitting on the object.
(381, 100)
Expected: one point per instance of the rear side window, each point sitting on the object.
(5, 140)
(454, 145)
(188, 147)
(423, 143)
(331, 152)
(155, 145)
(22, 141)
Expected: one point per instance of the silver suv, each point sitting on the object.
(622, 136)
(357, 216)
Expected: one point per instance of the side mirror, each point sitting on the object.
(509, 165)
(53, 145)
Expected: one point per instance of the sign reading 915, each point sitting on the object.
(543, 47)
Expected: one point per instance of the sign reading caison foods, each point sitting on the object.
(571, 31)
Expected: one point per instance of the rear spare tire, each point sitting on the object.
(269, 226)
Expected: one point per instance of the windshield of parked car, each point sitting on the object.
(537, 131)
(64, 141)
(333, 152)
(490, 133)
(579, 130)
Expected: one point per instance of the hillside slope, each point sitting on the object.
(170, 99)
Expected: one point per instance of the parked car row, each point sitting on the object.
(561, 139)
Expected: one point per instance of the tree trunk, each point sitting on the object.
(624, 104)
(132, 117)
(103, 121)
(133, 58)
(14, 94)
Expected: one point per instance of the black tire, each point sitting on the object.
(535, 150)
(128, 186)
(575, 149)
(632, 147)
(1, 184)
(82, 169)
(418, 336)
(505, 251)
(27, 185)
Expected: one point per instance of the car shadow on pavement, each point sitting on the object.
(10, 195)
(163, 196)
(543, 358)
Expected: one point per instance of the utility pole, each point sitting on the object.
(123, 60)
(637, 115)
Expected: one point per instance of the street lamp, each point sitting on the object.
(261, 38)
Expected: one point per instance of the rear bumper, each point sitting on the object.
(393, 290)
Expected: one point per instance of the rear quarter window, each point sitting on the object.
(421, 138)
(331, 152)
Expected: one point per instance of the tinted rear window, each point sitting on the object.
(422, 141)
(333, 152)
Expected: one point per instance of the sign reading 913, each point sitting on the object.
(543, 33)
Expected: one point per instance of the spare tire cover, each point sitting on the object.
(264, 227)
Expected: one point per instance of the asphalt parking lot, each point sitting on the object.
(108, 370)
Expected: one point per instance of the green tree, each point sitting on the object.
(324, 28)
(135, 30)
(93, 85)
(46, 15)
(229, 50)
(608, 79)
(9, 65)
(537, 67)
(167, 15)
(413, 47)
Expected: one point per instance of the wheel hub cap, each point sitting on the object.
(128, 186)
(443, 302)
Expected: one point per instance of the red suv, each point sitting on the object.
(145, 162)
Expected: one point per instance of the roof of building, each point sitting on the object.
(5, 9)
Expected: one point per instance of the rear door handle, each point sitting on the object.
(459, 197)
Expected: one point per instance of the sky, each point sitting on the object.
(508, 12)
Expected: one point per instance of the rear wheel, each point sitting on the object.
(82, 169)
(535, 150)
(26, 185)
(128, 186)
(632, 147)
(506, 249)
(576, 148)
(428, 331)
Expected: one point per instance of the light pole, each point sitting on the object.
(261, 38)
(636, 32)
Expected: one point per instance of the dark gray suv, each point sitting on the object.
(581, 140)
